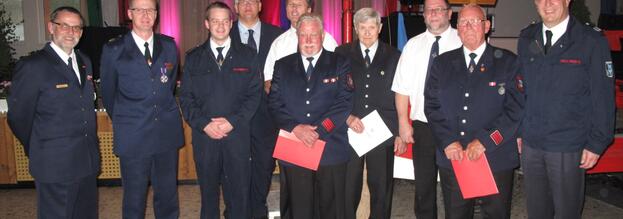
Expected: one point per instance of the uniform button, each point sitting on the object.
(308, 115)
(366, 96)
(466, 94)
(85, 122)
(85, 134)
(462, 133)
(80, 96)
(367, 86)
(156, 119)
(368, 76)
(307, 102)
(307, 90)
(464, 107)
(463, 121)
(155, 106)
(154, 92)
(366, 106)
(152, 79)
(82, 109)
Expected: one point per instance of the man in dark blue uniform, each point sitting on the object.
(258, 35)
(311, 96)
(474, 104)
(138, 73)
(373, 65)
(569, 115)
(221, 90)
(51, 112)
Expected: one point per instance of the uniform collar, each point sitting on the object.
(372, 49)
(557, 31)
(479, 51)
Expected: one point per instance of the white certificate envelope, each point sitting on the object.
(374, 133)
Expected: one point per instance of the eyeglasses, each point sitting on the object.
(66, 28)
(248, 2)
(435, 10)
(471, 22)
(148, 11)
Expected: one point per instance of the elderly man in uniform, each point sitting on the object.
(286, 43)
(220, 92)
(411, 74)
(52, 114)
(569, 118)
(473, 103)
(138, 73)
(373, 64)
(249, 30)
(311, 97)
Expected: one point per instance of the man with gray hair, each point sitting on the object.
(411, 74)
(286, 43)
(373, 64)
(311, 97)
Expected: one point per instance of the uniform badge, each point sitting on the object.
(61, 86)
(382, 72)
(519, 83)
(497, 137)
(482, 68)
(325, 81)
(609, 69)
(502, 90)
(163, 77)
(349, 81)
(89, 77)
(169, 66)
(492, 84)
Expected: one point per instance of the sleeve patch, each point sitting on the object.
(328, 125)
(349, 81)
(609, 69)
(496, 137)
(519, 81)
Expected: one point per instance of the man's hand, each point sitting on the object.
(214, 131)
(519, 144)
(267, 86)
(475, 149)
(355, 123)
(223, 124)
(400, 147)
(406, 132)
(454, 151)
(589, 159)
(306, 133)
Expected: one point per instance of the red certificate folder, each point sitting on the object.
(292, 150)
(474, 177)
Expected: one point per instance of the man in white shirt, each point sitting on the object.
(287, 42)
(408, 84)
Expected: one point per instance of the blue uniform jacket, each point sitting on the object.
(569, 91)
(231, 91)
(324, 101)
(53, 116)
(485, 105)
(146, 118)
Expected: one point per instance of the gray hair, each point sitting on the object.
(364, 14)
(68, 9)
(310, 17)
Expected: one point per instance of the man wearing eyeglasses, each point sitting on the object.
(52, 114)
(408, 85)
(570, 110)
(220, 91)
(249, 30)
(138, 77)
(474, 103)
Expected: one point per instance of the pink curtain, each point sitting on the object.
(170, 19)
(332, 15)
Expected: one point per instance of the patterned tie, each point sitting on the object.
(251, 41)
(367, 58)
(472, 63)
(219, 58)
(310, 68)
(147, 54)
(434, 52)
(548, 43)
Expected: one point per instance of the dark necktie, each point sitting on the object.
(147, 53)
(310, 68)
(71, 67)
(367, 58)
(251, 41)
(548, 43)
(472, 63)
(219, 58)
(434, 52)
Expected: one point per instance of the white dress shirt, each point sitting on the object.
(313, 62)
(411, 71)
(287, 44)
(479, 51)
(244, 33)
(226, 45)
(557, 31)
(372, 49)
(141, 43)
(65, 57)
